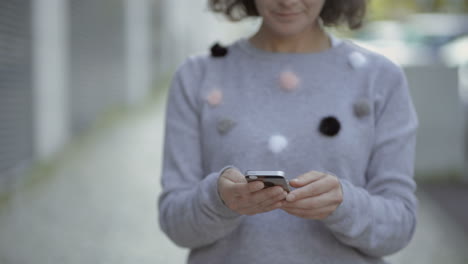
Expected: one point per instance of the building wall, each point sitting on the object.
(50, 77)
(16, 145)
(97, 59)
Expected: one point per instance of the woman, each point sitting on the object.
(335, 117)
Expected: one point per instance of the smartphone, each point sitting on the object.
(269, 178)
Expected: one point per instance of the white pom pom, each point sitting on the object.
(277, 143)
(357, 60)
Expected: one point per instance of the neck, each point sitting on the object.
(314, 40)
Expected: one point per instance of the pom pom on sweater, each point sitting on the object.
(289, 81)
(357, 60)
(277, 143)
(361, 108)
(330, 126)
(215, 98)
(225, 125)
(218, 51)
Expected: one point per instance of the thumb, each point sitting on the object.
(296, 183)
(306, 178)
(234, 175)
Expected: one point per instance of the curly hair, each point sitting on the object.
(334, 12)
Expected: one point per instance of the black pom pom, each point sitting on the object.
(225, 125)
(218, 50)
(330, 126)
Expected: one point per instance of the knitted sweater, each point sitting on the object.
(346, 111)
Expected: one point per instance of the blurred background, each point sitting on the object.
(82, 97)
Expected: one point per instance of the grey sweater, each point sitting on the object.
(345, 111)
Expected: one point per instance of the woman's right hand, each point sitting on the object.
(248, 198)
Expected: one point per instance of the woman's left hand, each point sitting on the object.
(318, 195)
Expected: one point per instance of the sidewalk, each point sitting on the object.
(99, 206)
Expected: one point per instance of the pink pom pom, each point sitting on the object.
(215, 98)
(289, 81)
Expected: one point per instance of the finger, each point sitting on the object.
(306, 178)
(256, 199)
(269, 202)
(256, 186)
(238, 189)
(315, 188)
(266, 194)
(232, 181)
(244, 189)
(316, 202)
(234, 175)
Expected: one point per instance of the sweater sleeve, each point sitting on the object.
(380, 218)
(191, 212)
